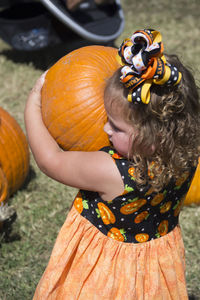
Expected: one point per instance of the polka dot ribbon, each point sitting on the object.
(144, 64)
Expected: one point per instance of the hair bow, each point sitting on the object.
(144, 64)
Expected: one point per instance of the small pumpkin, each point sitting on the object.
(141, 217)
(158, 198)
(165, 207)
(106, 214)
(163, 228)
(14, 158)
(193, 195)
(131, 172)
(177, 208)
(133, 206)
(117, 234)
(142, 237)
(78, 203)
(72, 97)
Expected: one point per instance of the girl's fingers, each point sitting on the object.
(39, 83)
(35, 93)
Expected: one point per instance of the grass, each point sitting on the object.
(42, 204)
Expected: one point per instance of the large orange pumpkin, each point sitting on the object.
(193, 195)
(72, 97)
(14, 157)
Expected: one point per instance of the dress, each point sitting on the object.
(129, 248)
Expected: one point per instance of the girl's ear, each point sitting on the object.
(153, 148)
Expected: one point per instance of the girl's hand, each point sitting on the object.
(35, 93)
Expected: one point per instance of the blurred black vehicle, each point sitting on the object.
(31, 25)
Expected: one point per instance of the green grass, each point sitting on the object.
(42, 204)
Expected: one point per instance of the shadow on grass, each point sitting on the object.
(6, 234)
(40, 59)
(31, 175)
(192, 297)
(43, 59)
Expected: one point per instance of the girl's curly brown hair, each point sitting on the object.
(168, 127)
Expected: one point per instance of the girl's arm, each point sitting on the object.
(93, 171)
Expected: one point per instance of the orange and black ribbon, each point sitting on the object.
(144, 64)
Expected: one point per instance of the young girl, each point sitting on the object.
(121, 239)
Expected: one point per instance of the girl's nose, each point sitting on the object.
(107, 129)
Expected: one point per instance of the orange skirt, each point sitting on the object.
(86, 264)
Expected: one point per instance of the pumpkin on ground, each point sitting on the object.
(14, 158)
(72, 97)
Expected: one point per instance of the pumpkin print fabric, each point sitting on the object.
(139, 214)
(122, 249)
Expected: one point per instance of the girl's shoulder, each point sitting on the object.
(126, 169)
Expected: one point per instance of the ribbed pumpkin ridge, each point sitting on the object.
(72, 97)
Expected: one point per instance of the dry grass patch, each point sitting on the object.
(42, 204)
